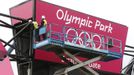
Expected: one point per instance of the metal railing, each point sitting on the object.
(83, 38)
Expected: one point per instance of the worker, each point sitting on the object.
(44, 24)
(44, 21)
(36, 28)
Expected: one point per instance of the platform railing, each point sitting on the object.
(83, 38)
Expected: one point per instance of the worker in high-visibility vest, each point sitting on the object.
(44, 21)
(36, 28)
(44, 24)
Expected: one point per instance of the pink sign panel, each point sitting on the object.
(63, 16)
(91, 24)
(25, 11)
(5, 66)
(3, 52)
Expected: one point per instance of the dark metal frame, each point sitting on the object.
(23, 25)
(129, 68)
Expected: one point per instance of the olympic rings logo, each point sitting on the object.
(83, 38)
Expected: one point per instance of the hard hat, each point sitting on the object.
(43, 17)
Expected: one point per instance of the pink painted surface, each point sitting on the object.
(63, 16)
(5, 66)
(25, 11)
(3, 52)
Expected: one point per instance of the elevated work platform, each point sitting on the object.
(87, 44)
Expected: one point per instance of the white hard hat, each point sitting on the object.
(43, 17)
